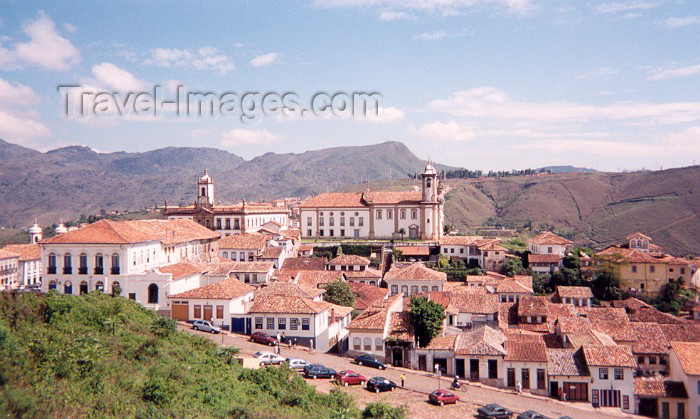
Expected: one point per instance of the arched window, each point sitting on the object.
(83, 262)
(378, 344)
(394, 289)
(67, 264)
(225, 255)
(116, 288)
(404, 289)
(204, 191)
(242, 258)
(367, 344)
(83, 287)
(100, 286)
(68, 287)
(99, 264)
(115, 264)
(52, 263)
(153, 294)
(414, 289)
(52, 285)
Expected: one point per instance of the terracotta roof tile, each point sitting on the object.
(222, 290)
(609, 356)
(183, 269)
(413, 250)
(569, 362)
(414, 272)
(574, 292)
(687, 353)
(369, 273)
(366, 295)
(288, 289)
(335, 200)
(546, 258)
(459, 240)
(243, 241)
(473, 303)
(271, 253)
(316, 279)
(681, 332)
(525, 351)
(442, 342)
(305, 264)
(349, 260)
(286, 304)
(657, 387)
(25, 251)
(4, 254)
(650, 339)
(549, 238)
(530, 305)
(393, 197)
(481, 341)
(375, 316)
(226, 267)
(400, 327)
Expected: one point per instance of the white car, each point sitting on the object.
(205, 326)
(296, 363)
(268, 358)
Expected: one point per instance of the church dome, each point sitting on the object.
(429, 169)
(205, 177)
(35, 229)
(61, 229)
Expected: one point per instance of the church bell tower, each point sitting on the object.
(205, 189)
(430, 183)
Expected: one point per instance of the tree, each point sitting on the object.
(396, 253)
(340, 293)
(513, 266)
(402, 232)
(426, 318)
(607, 282)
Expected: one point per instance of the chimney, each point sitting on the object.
(332, 316)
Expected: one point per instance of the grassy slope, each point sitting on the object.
(58, 357)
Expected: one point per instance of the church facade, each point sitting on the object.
(227, 219)
(378, 214)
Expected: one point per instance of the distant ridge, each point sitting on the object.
(567, 169)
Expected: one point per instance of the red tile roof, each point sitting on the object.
(546, 258)
(525, 351)
(135, 231)
(688, 354)
(481, 341)
(681, 332)
(375, 316)
(459, 240)
(657, 387)
(530, 305)
(611, 321)
(316, 279)
(349, 260)
(271, 253)
(393, 197)
(442, 342)
(609, 356)
(473, 303)
(413, 250)
(568, 362)
(305, 264)
(243, 241)
(400, 327)
(4, 254)
(414, 272)
(367, 273)
(288, 289)
(183, 269)
(366, 295)
(650, 339)
(286, 304)
(222, 290)
(335, 200)
(549, 238)
(574, 292)
(25, 251)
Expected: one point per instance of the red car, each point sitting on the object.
(443, 397)
(350, 378)
(264, 338)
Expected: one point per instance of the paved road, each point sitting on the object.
(418, 386)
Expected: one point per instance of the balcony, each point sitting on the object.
(99, 270)
(51, 270)
(82, 270)
(114, 271)
(67, 270)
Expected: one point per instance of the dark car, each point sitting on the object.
(370, 361)
(318, 371)
(493, 411)
(349, 378)
(264, 338)
(443, 397)
(378, 384)
(531, 414)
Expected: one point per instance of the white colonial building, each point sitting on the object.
(227, 219)
(126, 257)
(378, 214)
(9, 263)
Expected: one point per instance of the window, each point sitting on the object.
(378, 344)
(331, 232)
(52, 285)
(342, 233)
(414, 214)
(331, 222)
(652, 360)
(342, 221)
(242, 257)
(321, 222)
(414, 289)
(225, 255)
(320, 232)
(394, 289)
(698, 386)
(218, 223)
(197, 311)
(304, 324)
(132, 296)
(549, 250)
(52, 264)
(308, 232)
(258, 322)
(67, 264)
(619, 374)
(603, 373)
(100, 286)
(115, 264)
(662, 360)
(424, 288)
(357, 344)
(352, 222)
(282, 323)
(493, 368)
(652, 268)
(540, 379)
(153, 294)
(270, 322)
(640, 360)
(368, 343)
(634, 268)
(379, 214)
(389, 214)
(402, 214)
(219, 312)
(294, 324)
(404, 289)
(228, 224)
(435, 288)
(626, 402)
(360, 221)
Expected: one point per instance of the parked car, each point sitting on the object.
(205, 326)
(370, 361)
(350, 378)
(378, 384)
(443, 397)
(264, 338)
(296, 363)
(493, 410)
(318, 371)
(268, 358)
(531, 414)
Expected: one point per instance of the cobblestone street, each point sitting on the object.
(419, 385)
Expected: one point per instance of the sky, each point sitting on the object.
(481, 84)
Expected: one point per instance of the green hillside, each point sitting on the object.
(96, 355)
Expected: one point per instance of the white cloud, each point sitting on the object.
(45, 48)
(16, 127)
(205, 58)
(70, 28)
(264, 60)
(240, 136)
(436, 7)
(599, 72)
(625, 6)
(386, 115)
(117, 78)
(678, 22)
(201, 133)
(431, 36)
(389, 16)
(674, 73)
(17, 94)
(238, 45)
(450, 131)
(490, 103)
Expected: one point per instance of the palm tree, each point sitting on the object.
(402, 232)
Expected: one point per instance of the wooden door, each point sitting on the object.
(207, 313)
(181, 310)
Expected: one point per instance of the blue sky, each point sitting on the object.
(483, 84)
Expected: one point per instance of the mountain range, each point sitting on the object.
(596, 208)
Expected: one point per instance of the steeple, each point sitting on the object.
(430, 181)
(205, 189)
(36, 233)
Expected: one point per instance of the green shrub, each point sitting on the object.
(381, 410)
